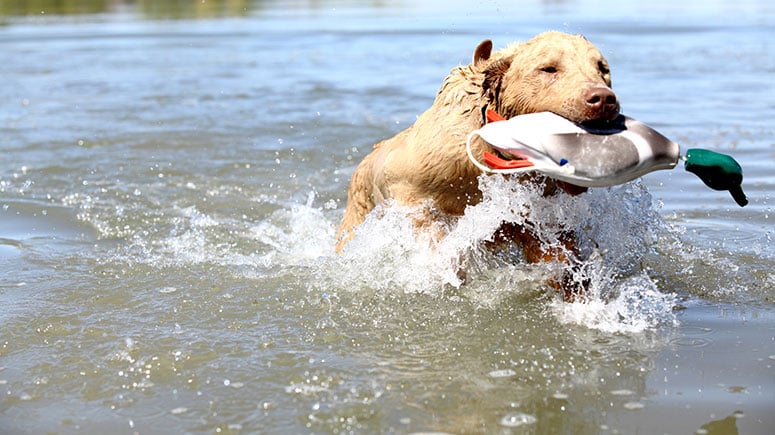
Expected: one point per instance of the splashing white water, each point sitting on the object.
(296, 236)
(616, 228)
(633, 305)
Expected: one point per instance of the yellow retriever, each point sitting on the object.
(554, 72)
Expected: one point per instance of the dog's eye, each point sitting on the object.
(549, 69)
(603, 67)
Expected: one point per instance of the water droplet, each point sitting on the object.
(515, 419)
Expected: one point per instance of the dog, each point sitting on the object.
(427, 163)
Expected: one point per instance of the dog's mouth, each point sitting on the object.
(603, 126)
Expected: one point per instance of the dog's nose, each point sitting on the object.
(601, 103)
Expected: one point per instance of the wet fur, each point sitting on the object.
(552, 72)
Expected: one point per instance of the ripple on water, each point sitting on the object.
(633, 406)
(691, 342)
(23, 220)
(507, 373)
(9, 247)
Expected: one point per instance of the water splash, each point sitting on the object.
(616, 227)
(297, 236)
(635, 305)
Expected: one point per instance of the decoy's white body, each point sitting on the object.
(585, 156)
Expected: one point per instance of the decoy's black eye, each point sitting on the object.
(549, 69)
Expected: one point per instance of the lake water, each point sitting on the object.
(171, 177)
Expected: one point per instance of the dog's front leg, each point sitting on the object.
(535, 251)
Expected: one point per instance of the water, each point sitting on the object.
(171, 179)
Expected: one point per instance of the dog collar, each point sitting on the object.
(489, 115)
(494, 161)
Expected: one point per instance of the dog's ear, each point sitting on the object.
(482, 52)
(493, 77)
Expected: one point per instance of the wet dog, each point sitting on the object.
(427, 163)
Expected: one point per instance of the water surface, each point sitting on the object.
(171, 179)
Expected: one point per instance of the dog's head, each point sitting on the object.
(553, 72)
